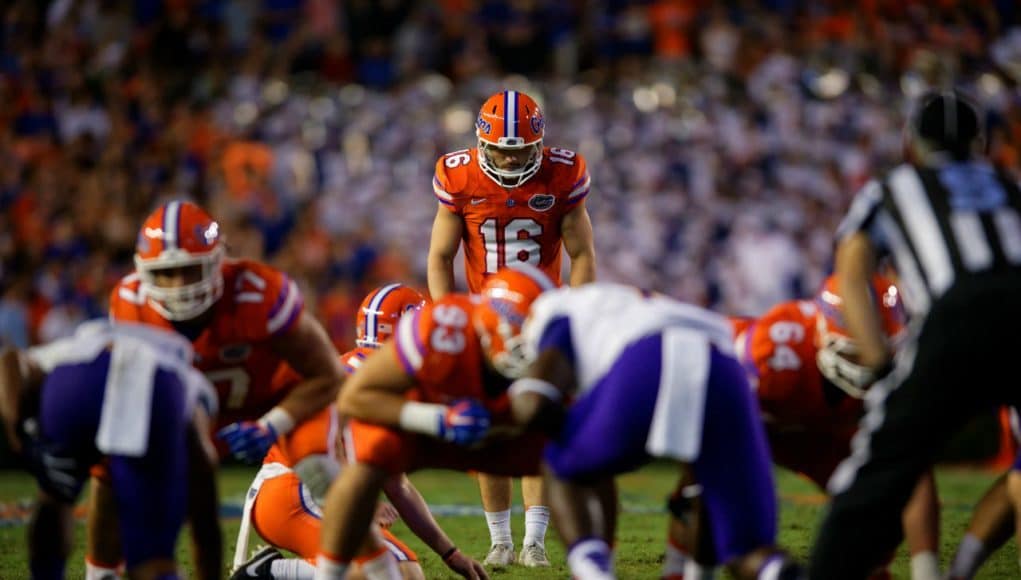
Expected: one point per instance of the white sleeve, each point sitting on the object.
(48, 356)
(543, 310)
(862, 211)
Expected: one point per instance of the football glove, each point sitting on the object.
(466, 422)
(248, 440)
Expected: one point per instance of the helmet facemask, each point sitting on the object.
(507, 297)
(507, 352)
(381, 311)
(373, 344)
(188, 301)
(510, 177)
(836, 358)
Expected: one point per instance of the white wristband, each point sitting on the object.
(538, 386)
(422, 417)
(279, 419)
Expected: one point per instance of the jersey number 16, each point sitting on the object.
(514, 241)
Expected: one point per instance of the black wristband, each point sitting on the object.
(449, 553)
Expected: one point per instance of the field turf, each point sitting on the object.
(640, 535)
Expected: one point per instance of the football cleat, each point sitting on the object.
(533, 556)
(259, 566)
(499, 556)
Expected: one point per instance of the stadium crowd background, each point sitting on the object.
(725, 139)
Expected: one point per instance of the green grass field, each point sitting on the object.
(640, 537)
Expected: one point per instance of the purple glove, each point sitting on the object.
(466, 422)
(248, 440)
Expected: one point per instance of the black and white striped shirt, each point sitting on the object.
(940, 225)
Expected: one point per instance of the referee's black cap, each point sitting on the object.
(948, 121)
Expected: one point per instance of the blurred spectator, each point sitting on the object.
(14, 312)
(724, 140)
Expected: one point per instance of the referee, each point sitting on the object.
(950, 223)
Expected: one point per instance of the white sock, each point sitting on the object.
(776, 565)
(591, 559)
(330, 569)
(536, 522)
(94, 572)
(971, 553)
(499, 527)
(695, 571)
(925, 566)
(382, 567)
(292, 569)
(771, 570)
(674, 560)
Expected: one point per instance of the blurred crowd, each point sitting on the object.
(725, 139)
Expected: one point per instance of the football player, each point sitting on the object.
(245, 321)
(810, 390)
(283, 503)
(127, 393)
(619, 376)
(992, 521)
(425, 400)
(811, 387)
(511, 200)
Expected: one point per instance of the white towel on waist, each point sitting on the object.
(676, 430)
(127, 404)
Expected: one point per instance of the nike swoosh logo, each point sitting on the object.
(253, 568)
(477, 201)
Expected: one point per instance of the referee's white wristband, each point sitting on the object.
(422, 417)
(538, 386)
(279, 420)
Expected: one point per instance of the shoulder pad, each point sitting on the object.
(570, 177)
(267, 302)
(422, 343)
(452, 174)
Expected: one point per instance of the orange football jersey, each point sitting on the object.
(507, 225)
(439, 347)
(779, 352)
(310, 437)
(258, 303)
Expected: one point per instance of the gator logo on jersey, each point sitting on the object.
(235, 352)
(483, 126)
(541, 201)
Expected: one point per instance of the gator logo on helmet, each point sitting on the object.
(507, 310)
(538, 123)
(207, 233)
(483, 126)
(143, 242)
